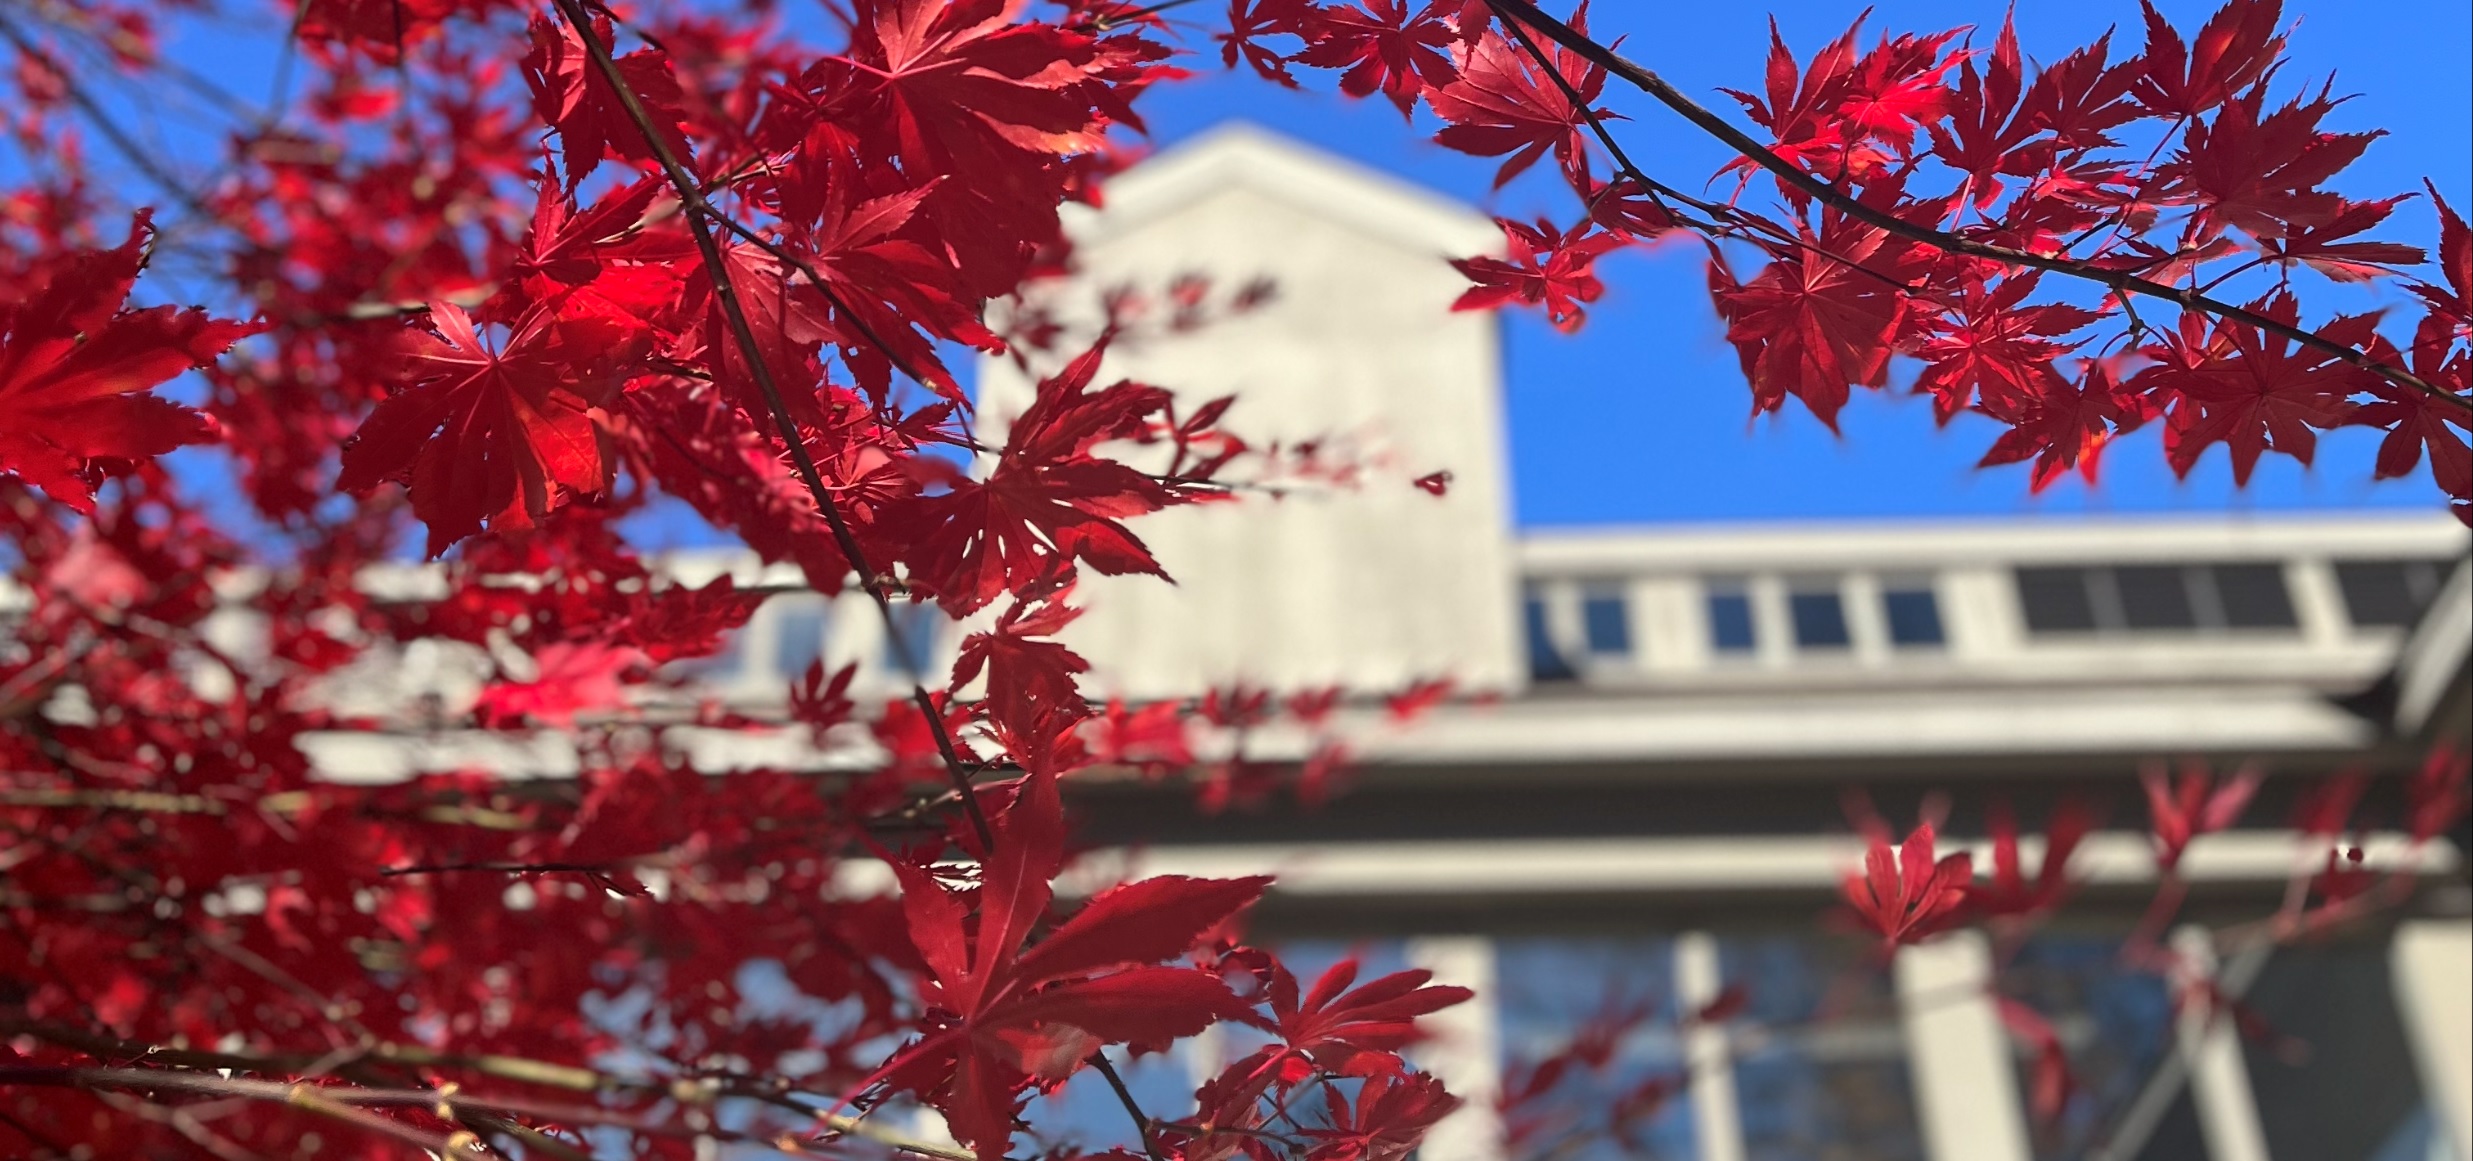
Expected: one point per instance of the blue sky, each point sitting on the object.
(1642, 417)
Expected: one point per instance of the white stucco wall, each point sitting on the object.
(1372, 586)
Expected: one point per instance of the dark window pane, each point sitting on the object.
(2253, 596)
(2055, 600)
(1828, 1080)
(2179, 1136)
(2114, 1021)
(1914, 617)
(1545, 662)
(2378, 592)
(1730, 622)
(2155, 597)
(1820, 620)
(798, 636)
(2354, 1086)
(1606, 622)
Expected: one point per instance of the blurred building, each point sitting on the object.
(1647, 798)
(1639, 790)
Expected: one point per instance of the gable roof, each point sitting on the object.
(1241, 154)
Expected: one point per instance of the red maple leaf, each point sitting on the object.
(2050, 1082)
(1391, 1115)
(569, 678)
(572, 95)
(1249, 21)
(2417, 420)
(880, 284)
(2182, 809)
(2320, 247)
(1047, 499)
(1546, 267)
(2010, 892)
(1504, 103)
(74, 366)
(1810, 324)
(1002, 1014)
(2454, 301)
(964, 75)
(2251, 390)
(2069, 425)
(488, 432)
(629, 273)
(1989, 350)
(2237, 46)
(2259, 172)
(1350, 1031)
(1898, 87)
(1989, 134)
(1802, 113)
(1386, 46)
(1028, 676)
(1903, 894)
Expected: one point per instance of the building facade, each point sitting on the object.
(1639, 791)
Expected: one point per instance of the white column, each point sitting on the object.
(2433, 965)
(2318, 601)
(1867, 623)
(1717, 1124)
(2219, 1077)
(1466, 1050)
(1966, 1083)
(1773, 620)
(1670, 636)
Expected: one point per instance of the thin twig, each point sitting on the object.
(700, 211)
(1830, 194)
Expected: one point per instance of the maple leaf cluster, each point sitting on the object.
(490, 280)
(514, 274)
(2073, 251)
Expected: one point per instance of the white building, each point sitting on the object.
(1652, 798)
(1649, 796)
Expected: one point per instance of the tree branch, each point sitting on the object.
(1831, 195)
(742, 333)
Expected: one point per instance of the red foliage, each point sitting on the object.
(75, 366)
(537, 341)
(1905, 894)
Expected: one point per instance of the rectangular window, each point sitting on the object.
(1545, 662)
(1820, 619)
(2055, 600)
(1914, 616)
(1605, 621)
(1730, 619)
(1555, 993)
(1828, 1078)
(911, 638)
(2252, 596)
(2155, 597)
(2388, 593)
(798, 637)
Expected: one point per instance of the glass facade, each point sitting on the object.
(1820, 1060)
(1605, 1009)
